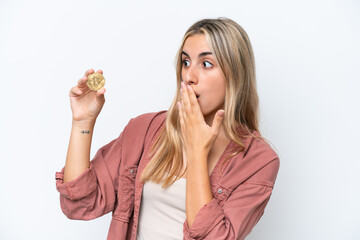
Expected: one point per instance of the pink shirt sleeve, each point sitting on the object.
(92, 194)
(235, 217)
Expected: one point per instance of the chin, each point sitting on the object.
(209, 112)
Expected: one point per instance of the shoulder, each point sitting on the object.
(258, 163)
(147, 119)
(138, 127)
(263, 160)
(258, 146)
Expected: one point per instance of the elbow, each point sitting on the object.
(74, 210)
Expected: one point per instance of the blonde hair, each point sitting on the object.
(233, 51)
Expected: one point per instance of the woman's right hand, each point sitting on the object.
(86, 104)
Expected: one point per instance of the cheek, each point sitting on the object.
(182, 74)
(221, 89)
(218, 84)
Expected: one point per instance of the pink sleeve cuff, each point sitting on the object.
(200, 228)
(75, 190)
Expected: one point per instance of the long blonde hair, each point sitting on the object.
(233, 51)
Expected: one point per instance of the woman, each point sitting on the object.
(200, 170)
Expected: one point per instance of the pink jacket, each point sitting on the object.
(111, 184)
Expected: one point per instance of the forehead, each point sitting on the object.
(196, 44)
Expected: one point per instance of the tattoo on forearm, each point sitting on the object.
(83, 132)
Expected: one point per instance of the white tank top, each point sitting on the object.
(162, 211)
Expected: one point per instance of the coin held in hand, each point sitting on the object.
(95, 81)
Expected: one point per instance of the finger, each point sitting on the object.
(75, 91)
(194, 104)
(219, 116)
(193, 101)
(185, 98)
(101, 91)
(182, 105)
(82, 81)
(89, 71)
(100, 71)
(100, 95)
(181, 115)
(182, 123)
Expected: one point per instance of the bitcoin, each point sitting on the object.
(95, 81)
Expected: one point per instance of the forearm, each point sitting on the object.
(198, 187)
(78, 155)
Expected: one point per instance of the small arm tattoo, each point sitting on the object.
(83, 132)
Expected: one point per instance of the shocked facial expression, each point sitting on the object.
(201, 71)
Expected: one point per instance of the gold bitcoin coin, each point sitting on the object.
(95, 81)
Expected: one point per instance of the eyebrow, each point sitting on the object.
(200, 55)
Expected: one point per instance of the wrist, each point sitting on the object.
(198, 153)
(198, 160)
(83, 124)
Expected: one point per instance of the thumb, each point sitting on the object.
(100, 95)
(219, 116)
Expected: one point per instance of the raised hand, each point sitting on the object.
(86, 104)
(197, 136)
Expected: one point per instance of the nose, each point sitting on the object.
(190, 75)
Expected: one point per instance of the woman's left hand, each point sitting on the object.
(197, 136)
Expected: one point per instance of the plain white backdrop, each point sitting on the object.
(307, 59)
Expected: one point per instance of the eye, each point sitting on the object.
(185, 63)
(207, 64)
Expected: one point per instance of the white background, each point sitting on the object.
(307, 60)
